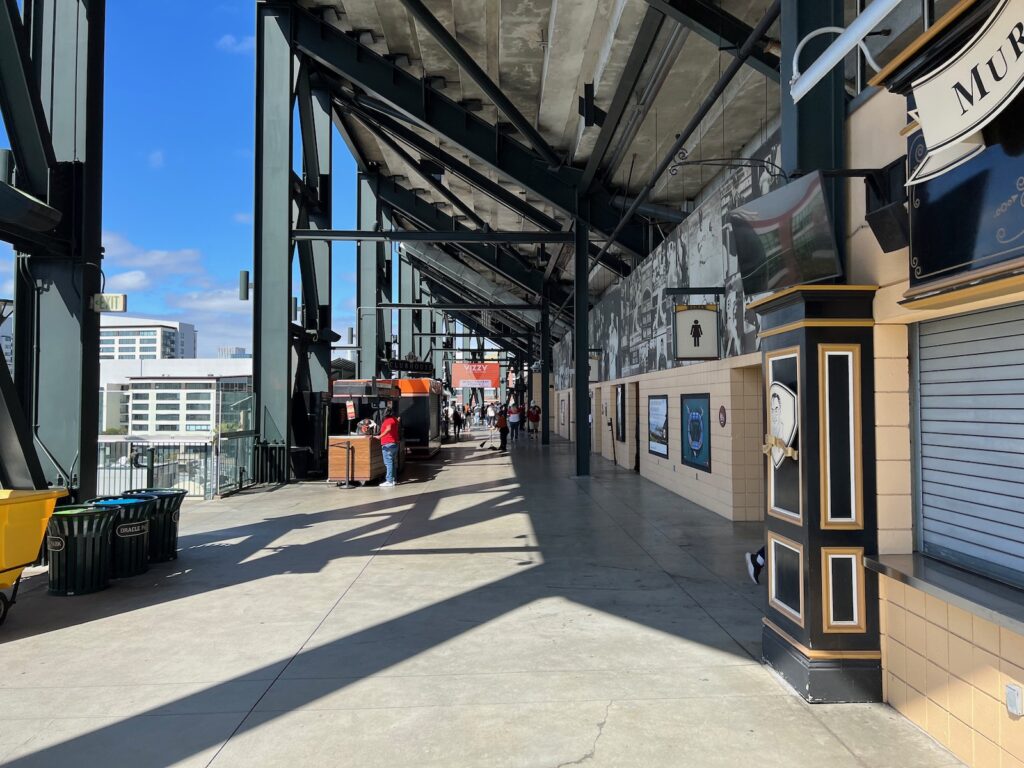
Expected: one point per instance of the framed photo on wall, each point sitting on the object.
(657, 425)
(620, 413)
(696, 430)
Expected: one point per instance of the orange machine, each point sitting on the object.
(419, 408)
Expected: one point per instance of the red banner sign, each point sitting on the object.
(475, 375)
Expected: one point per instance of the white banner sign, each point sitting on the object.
(696, 332)
(957, 100)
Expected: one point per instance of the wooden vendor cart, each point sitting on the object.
(352, 456)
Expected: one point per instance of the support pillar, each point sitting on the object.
(545, 374)
(272, 355)
(315, 256)
(821, 632)
(56, 330)
(581, 340)
(371, 268)
(406, 319)
(812, 131)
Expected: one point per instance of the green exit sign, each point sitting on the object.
(110, 302)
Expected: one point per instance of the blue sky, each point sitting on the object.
(178, 168)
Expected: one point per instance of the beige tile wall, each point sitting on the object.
(735, 486)
(892, 439)
(946, 669)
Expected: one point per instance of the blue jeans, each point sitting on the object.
(390, 452)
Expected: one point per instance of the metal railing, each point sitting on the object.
(234, 459)
(203, 468)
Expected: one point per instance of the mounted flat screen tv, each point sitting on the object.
(785, 238)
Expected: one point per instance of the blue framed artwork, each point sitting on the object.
(696, 431)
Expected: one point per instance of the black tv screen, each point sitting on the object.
(785, 238)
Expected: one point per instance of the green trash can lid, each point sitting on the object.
(79, 509)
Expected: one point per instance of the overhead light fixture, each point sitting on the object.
(849, 38)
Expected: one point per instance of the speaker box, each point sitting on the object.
(891, 226)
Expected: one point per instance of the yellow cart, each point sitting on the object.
(23, 519)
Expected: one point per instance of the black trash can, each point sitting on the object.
(163, 523)
(129, 553)
(78, 543)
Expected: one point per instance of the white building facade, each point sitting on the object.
(175, 399)
(137, 338)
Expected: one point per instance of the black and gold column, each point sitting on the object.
(821, 632)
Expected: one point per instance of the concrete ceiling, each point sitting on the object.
(542, 53)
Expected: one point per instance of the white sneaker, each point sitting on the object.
(387, 484)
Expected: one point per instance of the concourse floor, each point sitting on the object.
(489, 611)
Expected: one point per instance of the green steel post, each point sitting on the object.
(57, 329)
(272, 354)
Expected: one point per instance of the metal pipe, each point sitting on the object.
(478, 76)
(742, 55)
(851, 38)
(430, 236)
(462, 307)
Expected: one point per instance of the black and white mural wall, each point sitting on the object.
(632, 324)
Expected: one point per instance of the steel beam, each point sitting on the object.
(414, 98)
(21, 105)
(432, 236)
(19, 465)
(315, 255)
(581, 345)
(483, 82)
(720, 28)
(812, 131)
(431, 218)
(406, 320)
(459, 306)
(272, 354)
(623, 97)
(57, 329)
(745, 51)
(23, 211)
(545, 375)
(371, 267)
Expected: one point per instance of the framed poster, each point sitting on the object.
(620, 413)
(657, 425)
(696, 431)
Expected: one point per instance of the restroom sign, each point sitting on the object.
(696, 332)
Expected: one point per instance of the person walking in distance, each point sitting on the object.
(532, 419)
(501, 422)
(457, 421)
(515, 419)
(491, 415)
(389, 446)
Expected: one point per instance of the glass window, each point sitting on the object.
(126, 357)
(140, 406)
(140, 395)
(160, 385)
(199, 386)
(168, 396)
(167, 406)
(167, 416)
(106, 357)
(205, 407)
(166, 428)
(197, 417)
(140, 417)
(147, 357)
(197, 427)
(198, 396)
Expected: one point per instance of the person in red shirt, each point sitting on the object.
(533, 418)
(389, 446)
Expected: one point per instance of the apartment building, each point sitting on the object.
(137, 338)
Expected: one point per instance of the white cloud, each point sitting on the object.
(243, 218)
(126, 282)
(218, 301)
(119, 252)
(156, 159)
(232, 44)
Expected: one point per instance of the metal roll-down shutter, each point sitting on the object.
(970, 428)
